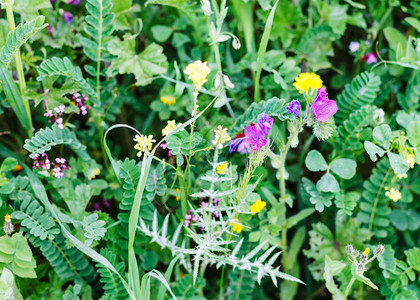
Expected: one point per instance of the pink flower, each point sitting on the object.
(322, 107)
(370, 58)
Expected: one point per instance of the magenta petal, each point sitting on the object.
(322, 110)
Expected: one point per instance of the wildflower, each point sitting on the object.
(370, 58)
(257, 206)
(59, 167)
(307, 80)
(171, 126)
(41, 162)
(366, 252)
(8, 226)
(236, 227)
(322, 107)
(236, 44)
(144, 143)
(254, 136)
(79, 101)
(168, 100)
(222, 168)
(17, 168)
(68, 17)
(178, 194)
(379, 250)
(220, 136)
(379, 116)
(73, 2)
(188, 217)
(198, 72)
(401, 176)
(217, 80)
(227, 82)
(294, 108)
(354, 46)
(393, 194)
(411, 159)
(349, 249)
(93, 173)
(56, 118)
(50, 29)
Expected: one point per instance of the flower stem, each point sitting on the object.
(346, 293)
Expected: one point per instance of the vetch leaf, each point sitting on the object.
(398, 163)
(328, 183)
(344, 167)
(373, 150)
(315, 162)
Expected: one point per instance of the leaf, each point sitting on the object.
(161, 33)
(145, 65)
(8, 164)
(347, 202)
(328, 183)
(398, 163)
(315, 162)
(413, 258)
(320, 200)
(344, 167)
(382, 134)
(413, 133)
(331, 269)
(303, 214)
(373, 150)
(405, 219)
(413, 22)
(30, 8)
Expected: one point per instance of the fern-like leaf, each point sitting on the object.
(46, 138)
(112, 283)
(17, 37)
(361, 91)
(374, 210)
(63, 67)
(39, 223)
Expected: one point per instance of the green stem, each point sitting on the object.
(346, 293)
(375, 203)
(98, 54)
(222, 279)
(19, 66)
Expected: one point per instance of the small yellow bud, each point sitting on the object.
(7, 218)
(366, 252)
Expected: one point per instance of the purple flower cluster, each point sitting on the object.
(67, 17)
(254, 136)
(322, 107)
(42, 162)
(79, 100)
(190, 217)
(56, 118)
(105, 203)
(294, 108)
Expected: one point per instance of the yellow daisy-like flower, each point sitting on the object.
(144, 143)
(171, 126)
(236, 227)
(307, 80)
(222, 168)
(220, 136)
(198, 72)
(411, 159)
(93, 173)
(168, 100)
(178, 196)
(366, 252)
(257, 206)
(7, 218)
(393, 194)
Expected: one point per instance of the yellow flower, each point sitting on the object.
(178, 196)
(93, 173)
(171, 126)
(411, 159)
(393, 194)
(220, 136)
(168, 100)
(236, 227)
(257, 206)
(307, 80)
(144, 143)
(17, 168)
(366, 252)
(7, 218)
(198, 72)
(222, 168)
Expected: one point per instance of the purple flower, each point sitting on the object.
(50, 29)
(74, 2)
(68, 17)
(322, 107)
(265, 123)
(354, 46)
(294, 108)
(371, 58)
(254, 136)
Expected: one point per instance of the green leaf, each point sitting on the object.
(344, 167)
(328, 183)
(373, 150)
(398, 163)
(347, 202)
(331, 269)
(413, 22)
(315, 162)
(382, 134)
(30, 8)
(145, 65)
(320, 200)
(303, 214)
(413, 258)
(405, 219)
(8, 164)
(362, 278)
(161, 33)
(413, 133)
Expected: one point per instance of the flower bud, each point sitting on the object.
(8, 226)
(205, 7)
(227, 82)
(236, 44)
(217, 80)
(349, 250)
(379, 250)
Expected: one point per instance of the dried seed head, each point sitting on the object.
(379, 250)
(349, 250)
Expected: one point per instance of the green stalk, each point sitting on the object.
(346, 293)
(19, 66)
